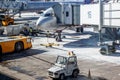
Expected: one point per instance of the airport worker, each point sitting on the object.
(31, 31)
(26, 32)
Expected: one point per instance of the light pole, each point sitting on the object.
(100, 20)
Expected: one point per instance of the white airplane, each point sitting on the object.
(48, 21)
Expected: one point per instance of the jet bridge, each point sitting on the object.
(106, 17)
(107, 14)
(111, 17)
(25, 6)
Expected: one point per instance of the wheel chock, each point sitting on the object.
(49, 44)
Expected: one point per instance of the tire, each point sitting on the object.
(1, 32)
(75, 73)
(103, 51)
(113, 50)
(11, 23)
(0, 50)
(56, 38)
(77, 29)
(19, 47)
(0, 23)
(81, 29)
(54, 79)
(62, 77)
(0, 54)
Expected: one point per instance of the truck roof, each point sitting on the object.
(69, 54)
(3, 39)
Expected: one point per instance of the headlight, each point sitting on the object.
(56, 73)
(28, 40)
(50, 73)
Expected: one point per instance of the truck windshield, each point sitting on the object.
(61, 60)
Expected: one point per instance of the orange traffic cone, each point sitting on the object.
(89, 74)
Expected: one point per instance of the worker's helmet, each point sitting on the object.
(70, 53)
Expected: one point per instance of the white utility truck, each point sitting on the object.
(65, 66)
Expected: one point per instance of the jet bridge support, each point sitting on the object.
(58, 36)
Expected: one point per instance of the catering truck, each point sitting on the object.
(14, 43)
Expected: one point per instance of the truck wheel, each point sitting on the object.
(0, 50)
(11, 23)
(56, 38)
(81, 29)
(103, 51)
(62, 77)
(0, 54)
(19, 46)
(54, 79)
(0, 23)
(77, 29)
(75, 73)
(113, 50)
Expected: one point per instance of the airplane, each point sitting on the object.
(48, 21)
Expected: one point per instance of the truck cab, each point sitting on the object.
(64, 66)
(5, 20)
